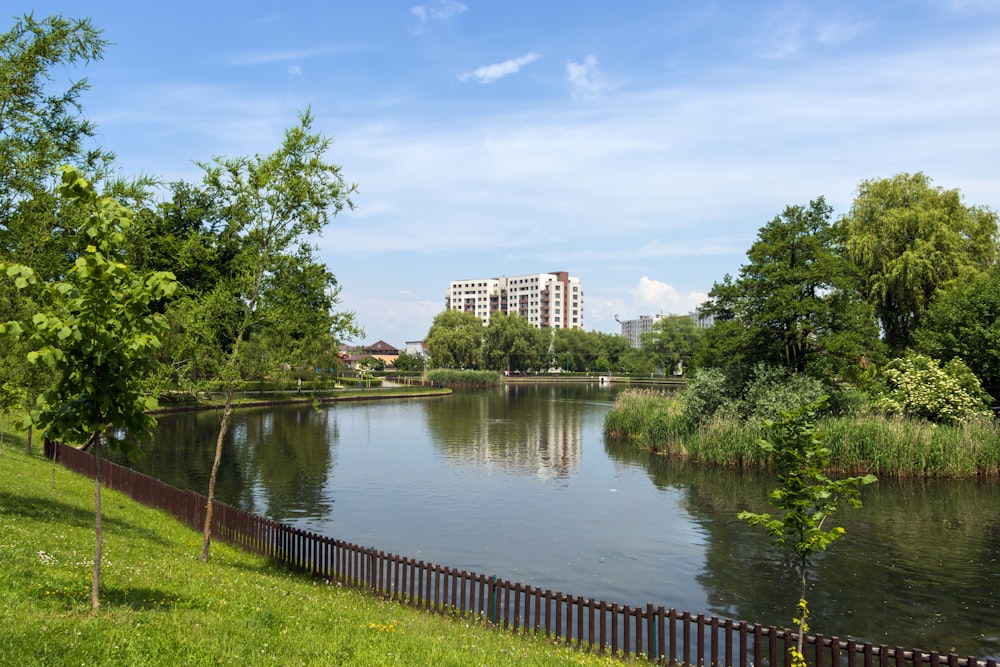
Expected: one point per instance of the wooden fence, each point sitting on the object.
(663, 636)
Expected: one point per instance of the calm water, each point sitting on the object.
(518, 482)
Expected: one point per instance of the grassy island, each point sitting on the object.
(888, 446)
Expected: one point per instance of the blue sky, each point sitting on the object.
(638, 145)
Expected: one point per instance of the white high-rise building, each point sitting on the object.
(553, 300)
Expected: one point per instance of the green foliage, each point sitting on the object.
(963, 322)
(40, 130)
(907, 240)
(763, 395)
(511, 343)
(792, 304)
(447, 377)
(407, 362)
(455, 340)
(95, 328)
(805, 496)
(674, 342)
(918, 386)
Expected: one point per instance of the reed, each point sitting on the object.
(888, 446)
(448, 377)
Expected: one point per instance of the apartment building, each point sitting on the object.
(633, 329)
(553, 300)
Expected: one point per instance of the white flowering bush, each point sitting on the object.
(919, 386)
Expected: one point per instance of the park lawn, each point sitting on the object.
(161, 606)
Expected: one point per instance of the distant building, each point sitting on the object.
(553, 300)
(417, 348)
(353, 354)
(702, 322)
(632, 330)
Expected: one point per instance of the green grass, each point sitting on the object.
(161, 606)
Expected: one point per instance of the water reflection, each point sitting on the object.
(520, 483)
(918, 565)
(533, 429)
(274, 462)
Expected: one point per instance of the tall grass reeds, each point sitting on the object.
(860, 443)
(448, 377)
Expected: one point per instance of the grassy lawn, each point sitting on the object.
(161, 606)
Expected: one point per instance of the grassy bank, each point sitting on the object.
(161, 606)
(886, 446)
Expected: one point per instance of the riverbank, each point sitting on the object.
(884, 446)
(264, 399)
(161, 605)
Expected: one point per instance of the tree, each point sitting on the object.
(793, 304)
(511, 343)
(273, 204)
(455, 340)
(963, 322)
(407, 361)
(805, 496)
(41, 129)
(674, 341)
(908, 239)
(95, 330)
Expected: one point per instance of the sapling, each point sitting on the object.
(805, 496)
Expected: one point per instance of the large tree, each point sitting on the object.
(41, 128)
(95, 330)
(963, 322)
(455, 340)
(792, 304)
(511, 343)
(274, 204)
(673, 342)
(907, 239)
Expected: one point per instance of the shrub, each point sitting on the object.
(918, 386)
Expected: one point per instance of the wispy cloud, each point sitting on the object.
(490, 73)
(267, 57)
(442, 10)
(585, 76)
(295, 70)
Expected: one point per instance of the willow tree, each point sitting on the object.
(275, 204)
(908, 239)
(95, 329)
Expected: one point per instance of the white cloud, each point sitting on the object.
(585, 76)
(294, 69)
(490, 73)
(664, 298)
(438, 11)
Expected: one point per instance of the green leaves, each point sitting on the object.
(97, 333)
(804, 496)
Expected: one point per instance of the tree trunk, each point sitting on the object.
(223, 425)
(27, 443)
(95, 586)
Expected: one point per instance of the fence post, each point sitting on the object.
(492, 613)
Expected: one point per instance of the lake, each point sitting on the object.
(518, 482)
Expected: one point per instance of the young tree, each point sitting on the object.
(95, 330)
(273, 204)
(805, 496)
(908, 239)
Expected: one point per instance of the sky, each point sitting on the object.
(639, 145)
